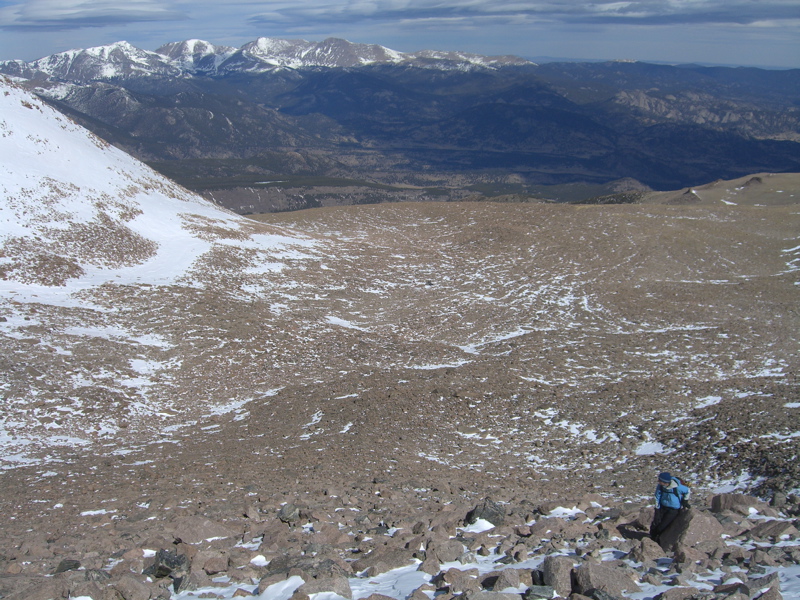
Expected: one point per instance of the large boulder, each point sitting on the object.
(444, 550)
(339, 585)
(508, 578)
(488, 510)
(557, 574)
(773, 529)
(690, 528)
(646, 550)
(677, 593)
(169, 563)
(738, 503)
(132, 588)
(594, 576)
(538, 592)
(382, 559)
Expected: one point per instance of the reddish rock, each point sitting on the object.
(445, 550)
(557, 573)
(773, 529)
(216, 564)
(132, 588)
(508, 578)
(646, 550)
(738, 503)
(771, 594)
(31, 588)
(338, 585)
(591, 576)
(677, 593)
(430, 565)
(690, 528)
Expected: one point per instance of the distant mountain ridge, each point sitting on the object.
(198, 57)
(323, 117)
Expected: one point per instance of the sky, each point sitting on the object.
(731, 32)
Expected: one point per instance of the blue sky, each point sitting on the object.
(734, 32)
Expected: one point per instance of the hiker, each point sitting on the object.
(670, 495)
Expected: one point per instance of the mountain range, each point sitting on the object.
(197, 57)
(282, 124)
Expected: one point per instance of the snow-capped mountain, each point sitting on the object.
(196, 56)
(120, 59)
(190, 57)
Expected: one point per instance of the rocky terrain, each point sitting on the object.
(174, 375)
(386, 544)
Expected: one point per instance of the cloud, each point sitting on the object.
(630, 12)
(75, 14)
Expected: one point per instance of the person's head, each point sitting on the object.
(664, 478)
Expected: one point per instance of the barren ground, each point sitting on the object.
(415, 353)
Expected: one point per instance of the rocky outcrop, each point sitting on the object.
(691, 528)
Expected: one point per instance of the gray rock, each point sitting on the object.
(778, 500)
(480, 595)
(489, 510)
(68, 565)
(338, 585)
(289, 513)
(173, 565)
(557, 573)
(312, 566)
(539, 592)
(755, 586)
(508, 578)
(677, 593)
(593, 576)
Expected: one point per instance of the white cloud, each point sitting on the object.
(644, 12)
(69, 14)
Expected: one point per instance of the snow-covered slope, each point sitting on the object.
(85, 229)
(76, 211)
